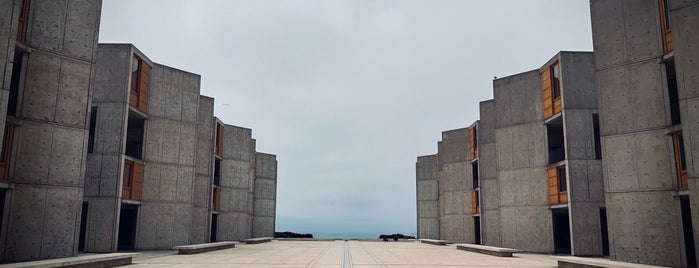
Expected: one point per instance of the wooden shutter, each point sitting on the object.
(680, 163)
(553, 186)
(127, 180)
(217, 199)
(6, 151)
(143, 86)
(137, 181)
(22, 22)
(219, 140)
(547, 93)
(472, 142)
(474, 202)
(666, 31)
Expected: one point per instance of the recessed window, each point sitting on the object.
(12, 102)
(680, 162)
(551, 90)
(556, 141)
(561, 175)
(474, 169)
(596, 134)
(135, 62)
(134, 136)
(217, 172)
(556, 80)
(139, 85)
(673, 95)
(91, 134)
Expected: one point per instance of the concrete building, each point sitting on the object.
(646, 64)
(428, 206)
(265, 196)
(47, 51)
(530, 165)
(162, 171)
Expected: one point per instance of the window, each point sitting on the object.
(217, 172)
(671, 77)
(139, 85)
(556, 141)
(216, 203)
(474, 169)
(596, 134)
(23, 21)
(6, 155)
(473, 142)
(665, 28)
(91, 134)
(551, 90)
(219, 140)
(132, 180)
(134, 136)
(17, 63)
(680, 162)
(558, 186)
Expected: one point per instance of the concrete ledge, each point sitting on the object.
(257, 240)
(495, 251)
(85, 261)
(434, 242)
(205, 247)
(579, 262)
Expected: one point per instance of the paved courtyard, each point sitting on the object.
(339, 254)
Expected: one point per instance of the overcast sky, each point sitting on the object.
(348, 93)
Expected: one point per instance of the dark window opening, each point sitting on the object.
(556, 143)
(14, 83)
(2, 209)
(135, 63)
(562, 184)
(596, 133)
(127, 227)
(477, 230)
(83, 228)
(128, 175)
(556, 80)
(134, 136)
(675, 118)
(605, 231)
(91, 134)
(474, 169)
(217, 172)
(214, 227)
(688, 232)
(561, 231)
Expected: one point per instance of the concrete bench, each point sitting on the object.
(495, 251)
(434, 242)
(257, 240)
(84, 261)
(205, 247)
(579, 262)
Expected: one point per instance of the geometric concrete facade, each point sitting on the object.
(533, 179)
(427, 197)
(265, 196)
(48, 49)
(646, 64)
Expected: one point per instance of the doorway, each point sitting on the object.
(477, 230)
(127, 227)
(688, 232)
(561, 231)
(605, 231)
(214, 226)
(83, 228)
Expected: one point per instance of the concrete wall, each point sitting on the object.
(49, 155)
(427, 197)
(487, 173)
(204, 166)
(455, 185)
(237, 174)
(643, 214)
(170, 147)
(265, 195)
(520, 144)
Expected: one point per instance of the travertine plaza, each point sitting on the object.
(590, 154)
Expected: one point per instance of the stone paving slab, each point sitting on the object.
(336, 253)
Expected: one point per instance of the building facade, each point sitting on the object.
(646, 72)
(48, 50)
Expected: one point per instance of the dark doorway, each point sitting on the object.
(214, 226)
(477, 229)
(605, 231)
(561, 231)
(127, 227)
(83, 228)
(2, 209)
(688, 232)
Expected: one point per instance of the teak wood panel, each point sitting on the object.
(132, 182)
(216, 202)
(555, 195)
(666, 31)
(22, 22)
(551, 106)
(679, 159)
(475, 206)
(219, 140)
(138, 99)
(6, 151)
(473, 143)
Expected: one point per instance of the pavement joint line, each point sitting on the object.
(346, 258)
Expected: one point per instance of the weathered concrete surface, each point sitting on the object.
(487, 172)
(265, 195)
(455, 185)
(634, 115)
(427, 197)
(235, 219)
(44, 208)
(204, 172)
